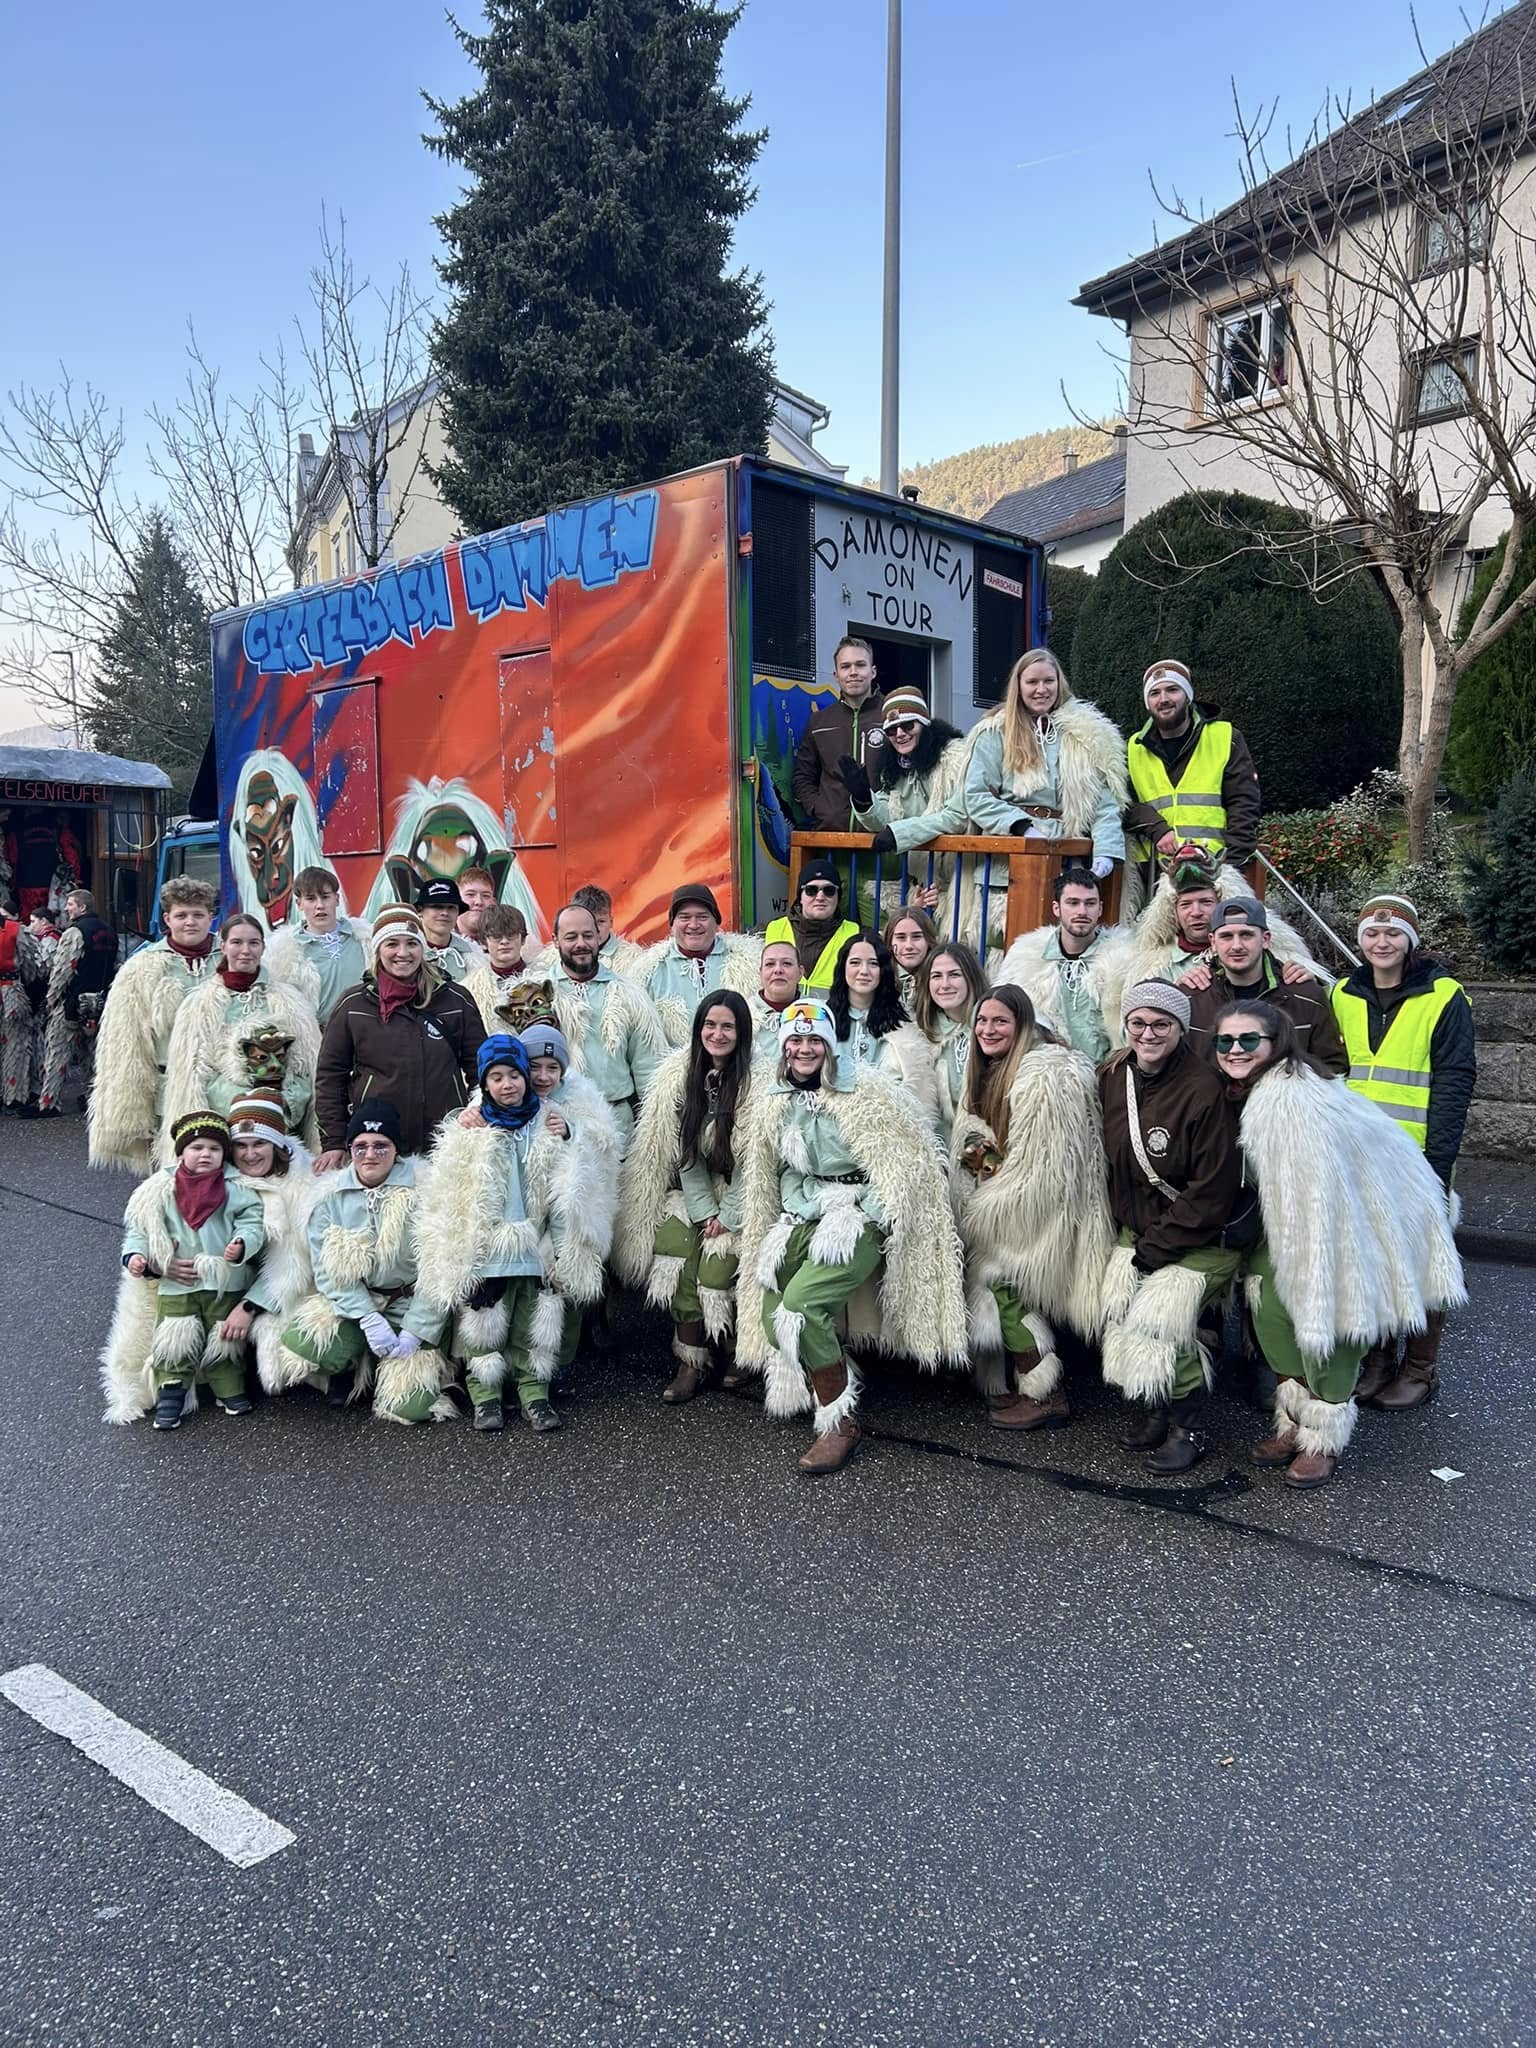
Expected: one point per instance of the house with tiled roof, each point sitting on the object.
(1076, 516)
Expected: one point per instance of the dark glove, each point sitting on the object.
(884, 841)
(856, 782)
(1018, 828)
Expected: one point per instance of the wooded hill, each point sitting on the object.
(972, 482)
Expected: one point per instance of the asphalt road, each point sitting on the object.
(631, 1735)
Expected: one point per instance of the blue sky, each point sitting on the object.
(170, 160)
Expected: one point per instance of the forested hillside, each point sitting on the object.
(973, 481)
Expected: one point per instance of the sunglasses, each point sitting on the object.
(819, 889)
(905, 725)
(1245, 1041)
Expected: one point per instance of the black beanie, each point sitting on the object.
(378, 1118)
(820, 871)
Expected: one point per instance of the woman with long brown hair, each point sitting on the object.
(913, 939)
(1027, 1182)
(951, 986)
(680, 1206)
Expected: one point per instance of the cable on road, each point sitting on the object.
(64, 1209)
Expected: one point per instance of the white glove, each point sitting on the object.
(407, 1344)
(1103, 867)
(382, 1341)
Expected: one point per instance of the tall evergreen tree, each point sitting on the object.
(151, 694)
(594, 336)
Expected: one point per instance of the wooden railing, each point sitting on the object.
(1021, 870)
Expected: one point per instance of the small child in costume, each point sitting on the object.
(194, 1234)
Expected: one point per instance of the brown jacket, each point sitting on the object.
(1189, 1129)
(1306, 1003)
(835, 729)
(422, 1060)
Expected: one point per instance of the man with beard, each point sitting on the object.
(1191, 774)
(614, 1033)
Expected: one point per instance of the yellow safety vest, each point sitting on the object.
(782, 932)
(1398, 1073)
(1193, 808)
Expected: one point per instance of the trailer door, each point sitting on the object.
(527, 709)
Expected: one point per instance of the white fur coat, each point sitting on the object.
(1356, 1221)
(1041, 1224)
(916, 1308)
(743, 953)
(650, 1191)
(138, 1017)
(211, 1029)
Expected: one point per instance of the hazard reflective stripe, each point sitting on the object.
(1187, 796)
(1406, 1113)
(1393, 1077)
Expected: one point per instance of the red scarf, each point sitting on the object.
(394, 995)
(237, 983)
(198, 1195)
(1192, 945)
(198, 952)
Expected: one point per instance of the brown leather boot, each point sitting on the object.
(1417, 1381)
(836, 1389)
(1279, 1447)
(1310, 1468)
(1377, 1370)
(693, 1362)
(1018, 1409)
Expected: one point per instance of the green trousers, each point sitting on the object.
(521, 1297)
(1330, 1379)
(1011, 1311)
(702, 1267)
(347, 1350)
(818, 1293)
(1220, 1269)
(204, 1357)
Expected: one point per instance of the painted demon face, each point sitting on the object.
(445, 846)
(269, 843)
(266, 1056)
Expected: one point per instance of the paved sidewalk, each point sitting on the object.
(1498, 1210)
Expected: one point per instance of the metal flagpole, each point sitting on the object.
(890, 353)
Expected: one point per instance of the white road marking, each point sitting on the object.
(241, 1833)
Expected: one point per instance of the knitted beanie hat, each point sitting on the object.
(376, 1119)
(200, 1123)
(543, 1041)
(1164, 996)
(904, 704)
(1167, 672)
(805, 1018)
(1390, 914)
(396, 921)
(821, 871)
(258, 1113)
(698, 893)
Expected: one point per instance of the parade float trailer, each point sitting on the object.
(612, 692)
(68, 817)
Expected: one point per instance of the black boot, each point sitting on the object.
(169, 1402)
(488, 1415)
(601, 1341)
(1185, 1443)
(237, 1404)
(338, 1388)
(1146, 1429)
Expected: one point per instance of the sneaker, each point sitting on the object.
(541, 1417)
(488, 1415)
(169, 1402)
(238, 1404)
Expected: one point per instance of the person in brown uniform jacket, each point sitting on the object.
(1243, 970)
(404, 1035)
(1175, 1176)
(846, 727)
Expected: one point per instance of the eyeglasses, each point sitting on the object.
(819, 889)
(1136, 1028)
(1245, 1041)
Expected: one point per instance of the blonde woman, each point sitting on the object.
(1045, 765)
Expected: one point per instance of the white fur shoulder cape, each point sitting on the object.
(918, 1310)
(1041, 1224)
(570, 1191)
(206, 1043)
(743, 956)
(1092, 756)
(1356, 1220)
(139, 1013)
(1104, 970)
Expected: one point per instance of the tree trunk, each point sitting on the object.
(1410, 644)
(1421, 792)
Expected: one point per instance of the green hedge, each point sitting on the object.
(1314, 686)
(1066, 592)
(1501, 905)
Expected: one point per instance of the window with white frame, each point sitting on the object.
(1246, 353)
(1456, 236)
(1441, 390)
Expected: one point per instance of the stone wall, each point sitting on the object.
(1502, 1124)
